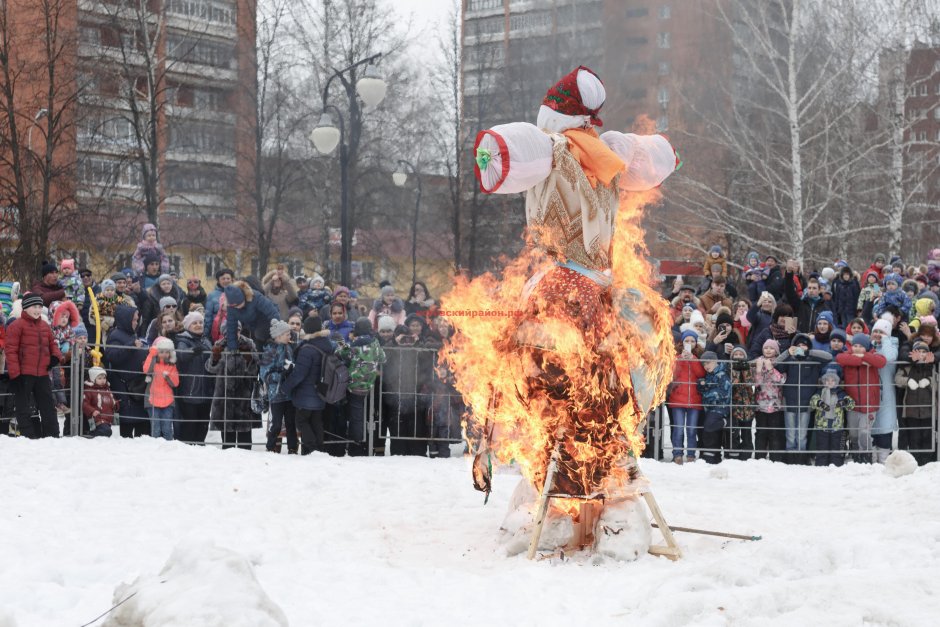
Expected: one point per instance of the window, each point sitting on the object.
(636, 94)
(938, 139)
(637, 66)
(213, 263)
(190, 50)
(938, 89)
(487, 26)
(665, 12)
(123, 260)
(635, 41)
(664, 40)
(109, 129)
(215, 11)
(662, 123)
(664, 68)
(176, 262)
(483, 5)
(201, 137)
(91, 35)
(664, 97)
(637, 12)
(936, 114)
(109, 173)
(365, 270)
(921, 136)
(528, 21)
(183, 178)
(923, 89)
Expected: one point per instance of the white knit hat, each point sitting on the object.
(882, 325)
(386, 323)
(94, 372)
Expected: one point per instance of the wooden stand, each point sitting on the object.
(671, 548)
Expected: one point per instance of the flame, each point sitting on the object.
(541, 378)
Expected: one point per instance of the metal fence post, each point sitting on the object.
(657, 432)
(75, 388)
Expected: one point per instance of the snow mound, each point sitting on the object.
(623, 532)
(6, 620)
(719, 473)
(200, 586)
(900, 463)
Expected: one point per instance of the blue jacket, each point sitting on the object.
(125, 362)
(274, 370)
(301, 384)
(715, 389)
(898, 298)
(845, 298)
(255, 316)
(802, 376)
(886, 420)
(344, 329)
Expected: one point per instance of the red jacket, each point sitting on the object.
(101, 400)
(30, 347)
(161, 391)
(862, 382)
(685, 377)
(872, 269)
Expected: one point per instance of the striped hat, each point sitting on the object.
(31, 300)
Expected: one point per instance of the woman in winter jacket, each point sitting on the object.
(194, 395)
(301, 384)
(886, 420)
(280, 290)
(845, 293)
(684, 400)
(125, 357)
(388, 304)
(150, 308)
(30, 351)
(802, 365)
(235, 375)
(917, 382)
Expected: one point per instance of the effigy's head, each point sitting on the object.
(573, 102)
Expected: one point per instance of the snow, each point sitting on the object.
(900, 463)
(406, 541)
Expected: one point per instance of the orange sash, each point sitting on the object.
(600, 163)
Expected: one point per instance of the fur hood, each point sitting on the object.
(61, 308)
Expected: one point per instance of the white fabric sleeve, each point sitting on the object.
(520, 156)
(649, 159)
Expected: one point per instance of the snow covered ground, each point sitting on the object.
(396, 541)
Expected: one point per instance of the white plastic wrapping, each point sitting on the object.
(520, 157)
(649, 159)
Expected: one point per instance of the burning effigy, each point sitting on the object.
(569, 348)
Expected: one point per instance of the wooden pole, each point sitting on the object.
(542, 510)
(720, 534)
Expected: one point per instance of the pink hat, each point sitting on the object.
(773, 344)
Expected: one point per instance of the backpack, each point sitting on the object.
(334, 378)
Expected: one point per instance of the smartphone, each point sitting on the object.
(789, 324)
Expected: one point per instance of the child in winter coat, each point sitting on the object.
(714, 256)
(837, 342)
(742, 404)
(923, 309)
(893, 295)
(684, 400)
(860, 365)
(364, 356)
(829, 407)
(802, 365)
(98, 403)
(149, 246)
(319, 295)
(825, 323)
(770, 404)
(64, 317)
(868, 297)
(275, 364)
(71, 283)
(715, 388)
(917, 381)
(162, 379)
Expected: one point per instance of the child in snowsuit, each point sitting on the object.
(64, 317)
(829, 407)
(364, 356)
(917, 379)
(715, 389)
(714, 256)
(71, 283)
(893, 295)
(860, 365)
(9, 293)
(148, 246)
(98, 403)
(742, 404)
(319, 295)
(770, 403)
(870, 293)
(162, 378)
(275, 364)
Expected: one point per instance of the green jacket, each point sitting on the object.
(363, 356)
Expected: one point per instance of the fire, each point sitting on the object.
(543, 379)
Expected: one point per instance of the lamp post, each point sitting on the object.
(371, 89)
(29, 134)
(400, 178)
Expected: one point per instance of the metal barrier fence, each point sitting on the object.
(416, 409)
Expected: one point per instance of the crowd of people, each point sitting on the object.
(176, 363)
(796, 367)
(818, 366)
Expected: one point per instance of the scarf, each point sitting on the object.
(778, 331)
(599, 162)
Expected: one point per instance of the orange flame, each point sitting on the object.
(538, 379)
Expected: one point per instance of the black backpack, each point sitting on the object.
(334, 377)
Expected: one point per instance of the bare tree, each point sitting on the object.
(38, 94)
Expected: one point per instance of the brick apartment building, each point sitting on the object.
(652, 56)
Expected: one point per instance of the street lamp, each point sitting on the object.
(400, 178)
(325, 137)
(29, 134)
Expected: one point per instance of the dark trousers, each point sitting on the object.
(134, 427)
(102, 430)
(741, 442)
(358, 425)
(239, 439)
(193, 422)
(711, 440)
(335, 426)
(282, 413)
(310, 423)
(29, 390)
(770, 435)
(409, 423)
(915, 435)
(829, 447)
